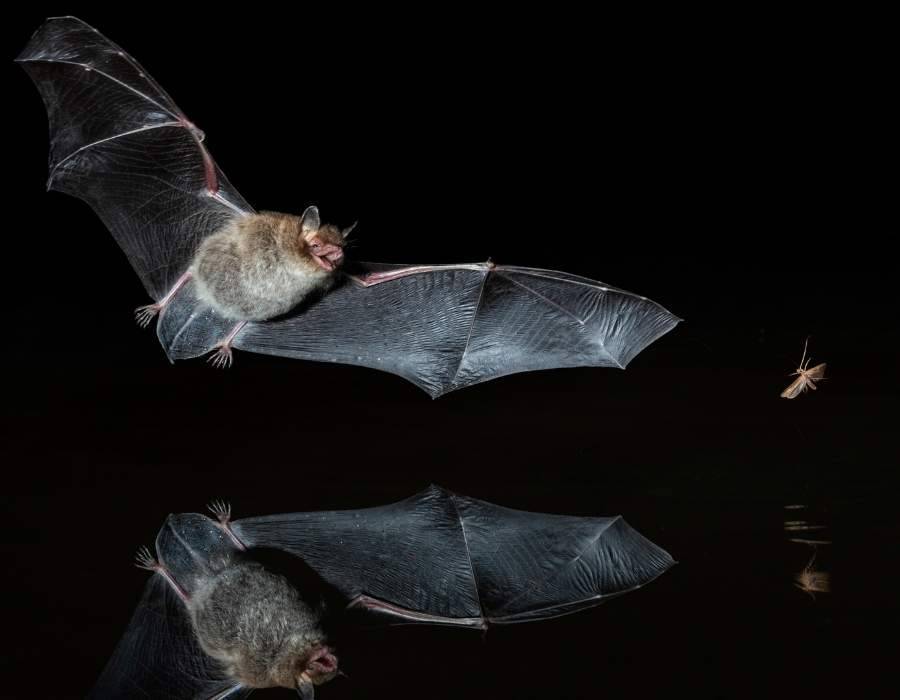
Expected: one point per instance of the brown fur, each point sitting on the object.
(257, 625)
(259, 266)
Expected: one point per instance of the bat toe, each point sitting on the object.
(145, 314)
(221, 358)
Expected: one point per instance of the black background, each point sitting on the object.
(726, 167)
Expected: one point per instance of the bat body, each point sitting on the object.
(249, 620)
(119, 142)
(436, 557)
(806, 377)
(260, 266)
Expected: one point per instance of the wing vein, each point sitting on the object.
(111, 138)
(462, 356)
(563, 569)
(462, 527)
(105, 75)
(547, 274)
(575, 318)
(575, 605)
(545, 299)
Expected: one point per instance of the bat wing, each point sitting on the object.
(120, 143)
(159, 656)
(443, 327)
(446, 559)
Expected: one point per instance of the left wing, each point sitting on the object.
(442, 558)
(442, 327)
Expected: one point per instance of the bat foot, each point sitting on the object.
(144, 314)
(222, 511)
(221, 358)
(144, 560)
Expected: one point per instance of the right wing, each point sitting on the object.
(120, 143)
(159, 656)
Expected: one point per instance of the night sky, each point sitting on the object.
(732, 177)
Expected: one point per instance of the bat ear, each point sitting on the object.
(309, 222)
(346, 231)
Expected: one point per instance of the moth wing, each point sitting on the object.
(795, 388)
(817, 372)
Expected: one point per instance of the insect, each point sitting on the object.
(806, 378)
(223, 276)
(216, 621)
(811, 581)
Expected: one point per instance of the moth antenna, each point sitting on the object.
(805, 345)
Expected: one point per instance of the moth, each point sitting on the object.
(806, 378)
(812, 581)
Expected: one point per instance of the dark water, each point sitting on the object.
(750, 229)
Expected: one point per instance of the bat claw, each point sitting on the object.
(221, 358)
(144, 560)
(144, 314)
(221, 509)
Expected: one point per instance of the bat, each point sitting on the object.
(212, 614)
(807, 377)
(120, 143)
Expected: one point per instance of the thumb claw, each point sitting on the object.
(305, 688)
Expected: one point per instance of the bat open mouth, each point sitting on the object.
(322, 665)
(330, 259)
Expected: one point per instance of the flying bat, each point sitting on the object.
(215, 621)
(223, 276)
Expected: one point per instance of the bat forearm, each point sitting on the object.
(370, 279)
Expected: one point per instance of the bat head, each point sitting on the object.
(324, 242)
(319, 667)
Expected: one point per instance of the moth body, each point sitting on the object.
(813, 581)
(806, 377)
